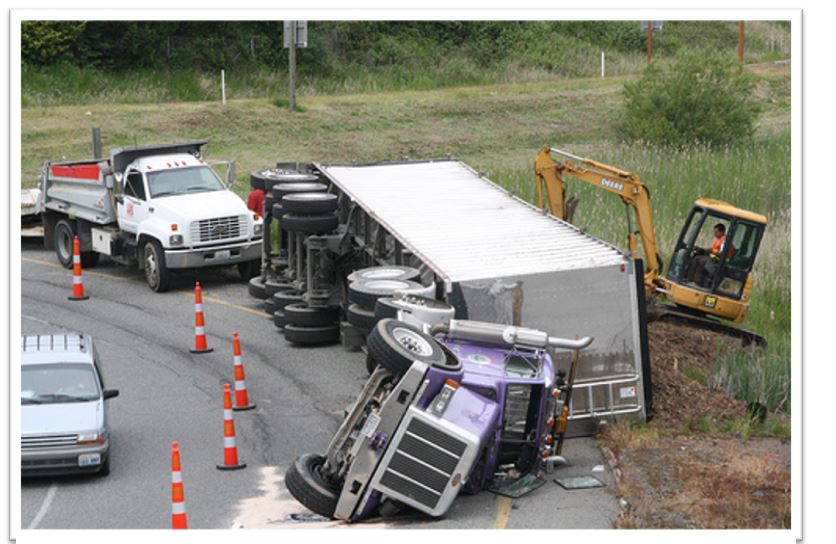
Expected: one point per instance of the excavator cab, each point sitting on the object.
(711, 269)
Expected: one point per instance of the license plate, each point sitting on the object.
(222, 254)
(89, 459)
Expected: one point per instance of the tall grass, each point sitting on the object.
(755, 177)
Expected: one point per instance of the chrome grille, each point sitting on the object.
(423, 463)
(53, 441)
(219, 228)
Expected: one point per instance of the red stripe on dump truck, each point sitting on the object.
(81, 171)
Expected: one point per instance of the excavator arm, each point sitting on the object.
(551, 196)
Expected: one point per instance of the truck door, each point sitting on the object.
(133, 209)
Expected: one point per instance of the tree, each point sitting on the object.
(697, 99)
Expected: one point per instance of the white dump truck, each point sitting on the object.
(159, 207)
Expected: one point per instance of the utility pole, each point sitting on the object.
(740, 32)
(292, 65)
(649, 41)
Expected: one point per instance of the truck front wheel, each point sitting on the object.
(156, 273)
(64, 243)
(309, 485)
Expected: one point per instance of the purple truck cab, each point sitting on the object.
(463, 404)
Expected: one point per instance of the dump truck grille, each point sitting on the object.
(54, 441)
(219, 228)
(423, 463)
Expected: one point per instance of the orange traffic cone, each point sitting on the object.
(230, 450)
(199, 331)
(78, 285)
(178, 504)
(242, 401)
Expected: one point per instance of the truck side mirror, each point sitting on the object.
(118, 184)
(110, 393)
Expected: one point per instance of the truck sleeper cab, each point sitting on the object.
(160, 207)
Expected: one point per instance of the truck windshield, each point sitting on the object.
(180, 181)
(58, 383)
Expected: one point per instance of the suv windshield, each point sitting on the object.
(58, 383)
(183, 180)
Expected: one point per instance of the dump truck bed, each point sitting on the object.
(503, 260)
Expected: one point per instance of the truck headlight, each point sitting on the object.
(258, 228)
(175, 240)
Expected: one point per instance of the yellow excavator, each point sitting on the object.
(710, 274)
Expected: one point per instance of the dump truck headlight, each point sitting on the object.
(175, 240)
(258, 228)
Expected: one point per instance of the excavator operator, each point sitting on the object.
(705, 262)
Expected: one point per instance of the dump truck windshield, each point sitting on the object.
(183, 180)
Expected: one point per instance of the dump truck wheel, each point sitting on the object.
(256, 288)
(404, 273)
(361, 318)
(395, 345)
(271, 287)
(309, 224)
(269, 305)
(157, 275)
(366, 292)
(64, 243)
(307, 484)
(310, 202)
(300, 313)
(279, 320)
(312, 336)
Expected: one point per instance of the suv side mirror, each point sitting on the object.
(110, 393)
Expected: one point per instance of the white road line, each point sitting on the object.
(44, 507)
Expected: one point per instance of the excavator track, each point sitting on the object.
(673, 314)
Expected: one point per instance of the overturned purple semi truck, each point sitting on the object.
(443, 413)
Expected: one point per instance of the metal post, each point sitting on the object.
(223, 89)
(97, 143)
(292, 65)
(603, 61)
(649, 41)
(740, 32)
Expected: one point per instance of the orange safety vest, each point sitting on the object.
(717, 248)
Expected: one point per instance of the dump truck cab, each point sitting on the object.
(699, 275)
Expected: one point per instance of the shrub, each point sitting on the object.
(696, 99)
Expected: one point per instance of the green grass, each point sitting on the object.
(496, 129)
(743, 427)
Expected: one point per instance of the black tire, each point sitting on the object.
(404, 273)
(278, 211)
(63, 237)
(278, 320)
(300, 313)
(310, 224)
(366, 292)
(361, 318)
(395, 345)
(249, 269)
(256, 288)
(307, 187)
(289, 296)
(271, 287)
(312, 336)
(310, 202)
(89, 259)
(385, 307)
(105, 469)
(157, 275)
(266, 178)
(306, 483)
(269, 305)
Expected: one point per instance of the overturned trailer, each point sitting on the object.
(497, 258)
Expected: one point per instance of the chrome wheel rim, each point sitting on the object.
(412, 342)
(152, 271)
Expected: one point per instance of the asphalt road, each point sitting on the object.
(167, 394)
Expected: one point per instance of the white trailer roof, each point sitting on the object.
(463, 225)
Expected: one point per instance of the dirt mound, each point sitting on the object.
(682, 360)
